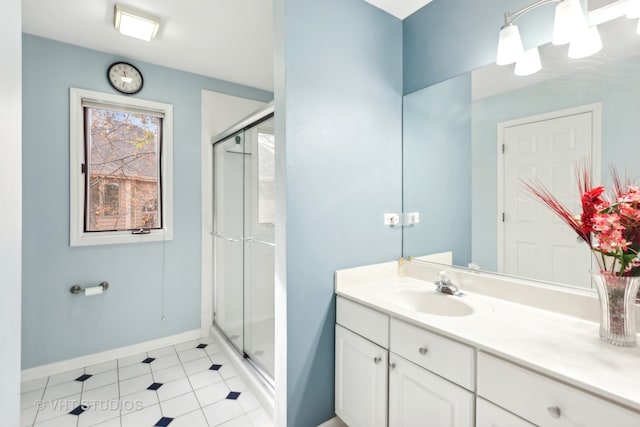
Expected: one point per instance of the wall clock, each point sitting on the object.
(125, 78)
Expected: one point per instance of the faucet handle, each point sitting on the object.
(444, 277)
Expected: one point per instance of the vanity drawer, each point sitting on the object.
(490, 415)
(544, 401)
(364, 321)
(447, 358)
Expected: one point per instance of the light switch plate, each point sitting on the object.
(411, 218)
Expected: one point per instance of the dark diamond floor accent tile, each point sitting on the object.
(233, 395)
(84, 377)
(163, 422)
(201, 346)
(78, 410)
(215, 367)
(148, 360)
(154, 386)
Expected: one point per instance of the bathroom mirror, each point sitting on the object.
(456, 177)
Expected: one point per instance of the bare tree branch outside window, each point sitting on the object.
(123, 170)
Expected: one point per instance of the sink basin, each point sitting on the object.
(428, 302)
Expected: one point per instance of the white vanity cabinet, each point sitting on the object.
(418, 397)
(396, 374)
(544, 401)
(362, 339)
(414, 395)
(361, 380)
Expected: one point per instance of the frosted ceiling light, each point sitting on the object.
(633, 9)
(569, 22)
(529, 63)
(586, 44)
(510, 47)
(135, 23)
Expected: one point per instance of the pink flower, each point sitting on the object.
(631, 196)
(609, 233)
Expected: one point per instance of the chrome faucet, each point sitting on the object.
(445, 286)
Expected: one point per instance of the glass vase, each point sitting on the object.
(617, 296)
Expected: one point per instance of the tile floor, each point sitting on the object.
(190, 384)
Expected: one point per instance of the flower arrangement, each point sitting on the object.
(610, 225)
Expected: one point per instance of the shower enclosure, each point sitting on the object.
(243, 238)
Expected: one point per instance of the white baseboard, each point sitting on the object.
(333, 422)
(105, 356)
(263, 392)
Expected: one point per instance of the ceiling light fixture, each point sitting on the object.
(135, 23)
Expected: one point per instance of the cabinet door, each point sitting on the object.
(419, 398)
(361, 380)
(490, 415)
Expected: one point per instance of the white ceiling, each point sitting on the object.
(399, 8)
(226, 39)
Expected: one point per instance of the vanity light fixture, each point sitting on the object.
(569, 22)
(509, 45)
(135, 23)
(529, 63)
(633, 9)
(587, 44)
(569, 26)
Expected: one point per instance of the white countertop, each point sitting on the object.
(563, 347)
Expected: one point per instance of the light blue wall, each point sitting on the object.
(339, 78)
(437, 169)
(147, 280)
(449, 37)
(614, 85)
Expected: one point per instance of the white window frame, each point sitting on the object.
(77, 235)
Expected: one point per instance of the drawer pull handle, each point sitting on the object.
(554, 411)
(377, 360)
(423, 350)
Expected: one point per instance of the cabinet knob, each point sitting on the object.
(392, 365)
(554, 411)
(423, 350)
(377, 359)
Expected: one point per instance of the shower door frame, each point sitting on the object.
(245, 124)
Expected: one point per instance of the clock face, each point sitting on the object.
(125, 77)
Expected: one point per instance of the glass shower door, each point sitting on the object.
(228, 237)
(259, 246)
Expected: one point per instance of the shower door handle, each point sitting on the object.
(262, 242)
(227, 238)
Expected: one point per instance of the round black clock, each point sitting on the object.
(125, 78)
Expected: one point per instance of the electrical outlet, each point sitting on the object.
(391, 219)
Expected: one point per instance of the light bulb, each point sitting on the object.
(569, 21)
(529, 63)
(509, 45)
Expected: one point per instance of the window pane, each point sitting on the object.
(123, 170)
